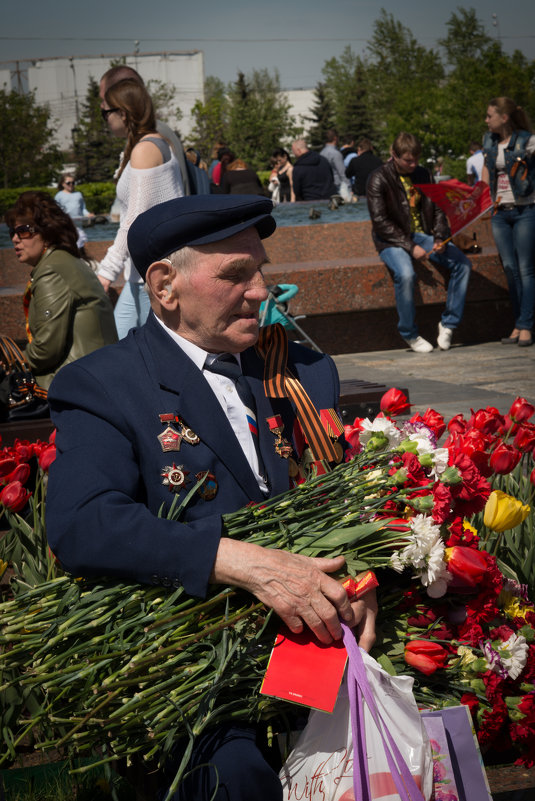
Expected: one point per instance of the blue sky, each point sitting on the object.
(295, 36)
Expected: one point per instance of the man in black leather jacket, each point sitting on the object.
(407, 226)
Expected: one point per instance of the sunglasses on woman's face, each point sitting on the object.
(106, 112)
(22, 231)
(69, 183)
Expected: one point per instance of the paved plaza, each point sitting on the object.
(463, 378)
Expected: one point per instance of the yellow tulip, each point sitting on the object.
(503, 511)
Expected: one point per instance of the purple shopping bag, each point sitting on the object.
(468, 769)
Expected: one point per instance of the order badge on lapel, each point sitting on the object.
(174, 476)
(208, 489)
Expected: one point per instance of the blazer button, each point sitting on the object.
(155, 579)
(166, 581)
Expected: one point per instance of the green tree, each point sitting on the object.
(346, 81)
(28, 155)
(96, 151)
(322, 116)
(163, 95)
(405, 79)
(210, 118)
(259, 117)
(479, 70)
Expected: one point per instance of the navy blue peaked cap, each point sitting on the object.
(195, 220)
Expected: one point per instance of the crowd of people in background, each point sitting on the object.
(155, 167)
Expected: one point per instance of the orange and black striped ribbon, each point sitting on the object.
(26, 298)
(279, 382)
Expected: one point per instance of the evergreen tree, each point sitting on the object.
(96, 151)
(322, 116)
(28, 155)
(346, 79)
(259, 117)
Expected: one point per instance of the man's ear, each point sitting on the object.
(159, 280)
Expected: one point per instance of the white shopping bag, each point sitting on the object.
(321, 766)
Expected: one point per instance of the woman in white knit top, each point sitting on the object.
(148, 174)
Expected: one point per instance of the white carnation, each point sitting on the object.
(382, 424)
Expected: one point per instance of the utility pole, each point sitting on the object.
(496, 24)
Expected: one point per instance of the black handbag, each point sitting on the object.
(20, 397)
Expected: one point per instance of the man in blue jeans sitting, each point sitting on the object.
(407, 226)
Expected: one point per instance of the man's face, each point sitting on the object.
(219, 297)
(406, 163)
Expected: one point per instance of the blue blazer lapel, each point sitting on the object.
(184, 391)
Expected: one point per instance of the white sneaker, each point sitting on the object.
(419, 345)
(444, 337)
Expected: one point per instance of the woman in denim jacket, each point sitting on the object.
(509, 150)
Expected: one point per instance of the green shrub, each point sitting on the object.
(98, 196)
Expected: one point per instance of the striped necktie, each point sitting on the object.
(226, 364)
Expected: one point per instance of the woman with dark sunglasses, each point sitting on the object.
(67, 311)
(149, 174)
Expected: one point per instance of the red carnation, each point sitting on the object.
(470, 496)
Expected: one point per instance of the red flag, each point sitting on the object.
(461, 203)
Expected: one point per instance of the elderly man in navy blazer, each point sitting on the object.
(141, 421)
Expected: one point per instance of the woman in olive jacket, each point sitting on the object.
(67, 311)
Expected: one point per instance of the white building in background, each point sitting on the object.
(61, 83)
(301, 102)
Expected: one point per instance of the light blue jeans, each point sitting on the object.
(132, 308)
(514, 234)
(401, 266)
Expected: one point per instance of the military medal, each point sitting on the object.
(282, 446)
(187, 434)
(174, 477)
(170, 439)
(209, 487)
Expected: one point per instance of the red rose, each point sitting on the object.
(46, 457)
(504, 458)
(425, 656)
(521, 410)
(394, 402)
(14, 496)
